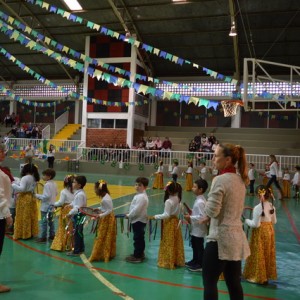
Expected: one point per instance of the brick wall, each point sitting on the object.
(106, 136)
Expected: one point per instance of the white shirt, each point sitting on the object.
(160, 169)
(203, 173)
(296, 179)
(172, 208)
(50, 154)
(106, 206)
(189, 170)
(79, 201)
(286, 176)
(251, 174)
(274, 168)
(29, 151)
(257, 218)
(175, 170)
(5, 195)
(66, 197)
(49, 195)
(198, 230)
(26, 184)
(138, 208)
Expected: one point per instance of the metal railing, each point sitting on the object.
(61, 121)
(135, 156)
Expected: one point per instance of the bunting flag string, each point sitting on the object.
(85, 58)
(139, 88)
(148, 48)
(59, 88)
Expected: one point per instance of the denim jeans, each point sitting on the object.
(45, 222)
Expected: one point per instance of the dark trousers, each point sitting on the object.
(274, 179)
(50, 162)
(212, 269)
(198, 250)
(78, 235)
(251, 185)
(174, 177)
(2, 232)
(138, 239)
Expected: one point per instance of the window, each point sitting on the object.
(121, 123)
(107, 123)
(93, 123)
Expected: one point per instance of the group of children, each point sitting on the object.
(70, 237)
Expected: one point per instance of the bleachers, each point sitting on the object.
(255, 140)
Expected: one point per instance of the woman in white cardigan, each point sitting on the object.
(227, 244)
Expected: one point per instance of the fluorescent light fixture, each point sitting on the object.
(179, 1)
(73, 4)
(233, 30)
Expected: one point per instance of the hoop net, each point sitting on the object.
(230, 108)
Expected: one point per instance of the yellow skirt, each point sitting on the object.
(171, 251)
(26, 221)
(63, 238)
(286, 188)
(158, 181)
(188, 181)
(261, 264)
(104, 248)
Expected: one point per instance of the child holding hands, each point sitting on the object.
(48, 200)
(189, 177)
(198, 231)
(159, 177)
(138, 217)
(104, 248)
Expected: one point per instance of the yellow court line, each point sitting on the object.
(103, 280)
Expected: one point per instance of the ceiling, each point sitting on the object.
(196, 31)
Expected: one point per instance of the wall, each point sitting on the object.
(106, 136)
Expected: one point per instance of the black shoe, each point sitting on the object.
(195, 268)
(133, 259)
(41, 240)
(71, 253)
(189, 263)
(51, 237)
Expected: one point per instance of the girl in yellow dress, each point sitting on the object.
(261, 264)
(26, 220)
(64, 237)
(171, 251)
(104, 248)
(189, 177)
(159, 177)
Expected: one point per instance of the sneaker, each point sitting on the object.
(133, 259)
(195, 268)
(4, 289)
(41, 240)
(71, 253)
(189, 263)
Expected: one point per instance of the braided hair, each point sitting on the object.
(264, 192)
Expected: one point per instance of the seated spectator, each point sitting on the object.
(192, 146)
(197, 140)
(212, 138)
(166, 145)
(158, 143)
(149, 144)
(8, 120)
(203, 138)
(206, 146)
(214, 146)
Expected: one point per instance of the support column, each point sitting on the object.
(12, 107)
(236, 120)
(131, 108)
(153, 112)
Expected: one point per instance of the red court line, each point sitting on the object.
(291, 220)
(129, 275)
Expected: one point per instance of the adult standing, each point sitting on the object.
(50, 156)
(274, 174)
(227, 244)
(5, 216)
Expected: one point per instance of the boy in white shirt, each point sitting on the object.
(138, 218)
(48, 199)
(198, 231)
(175, 171)
(296, 181)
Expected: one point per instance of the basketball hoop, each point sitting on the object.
(230, 107)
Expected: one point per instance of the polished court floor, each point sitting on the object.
(33, 271)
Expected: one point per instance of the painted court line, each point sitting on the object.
(162, 282)
(103, 280)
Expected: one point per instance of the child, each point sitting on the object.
(138, 218)
(51, 156)
(203, 171)
(198, 231)
(261, 264)
(286, 182)
(251, 175)
(171, 251)
(159, 177)
(175, 171)
(105, 243)
(274, 165)
(189, 177)
(63, 241)
(48, 200)
(26, 221)
(80, 200)
(296, 181)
